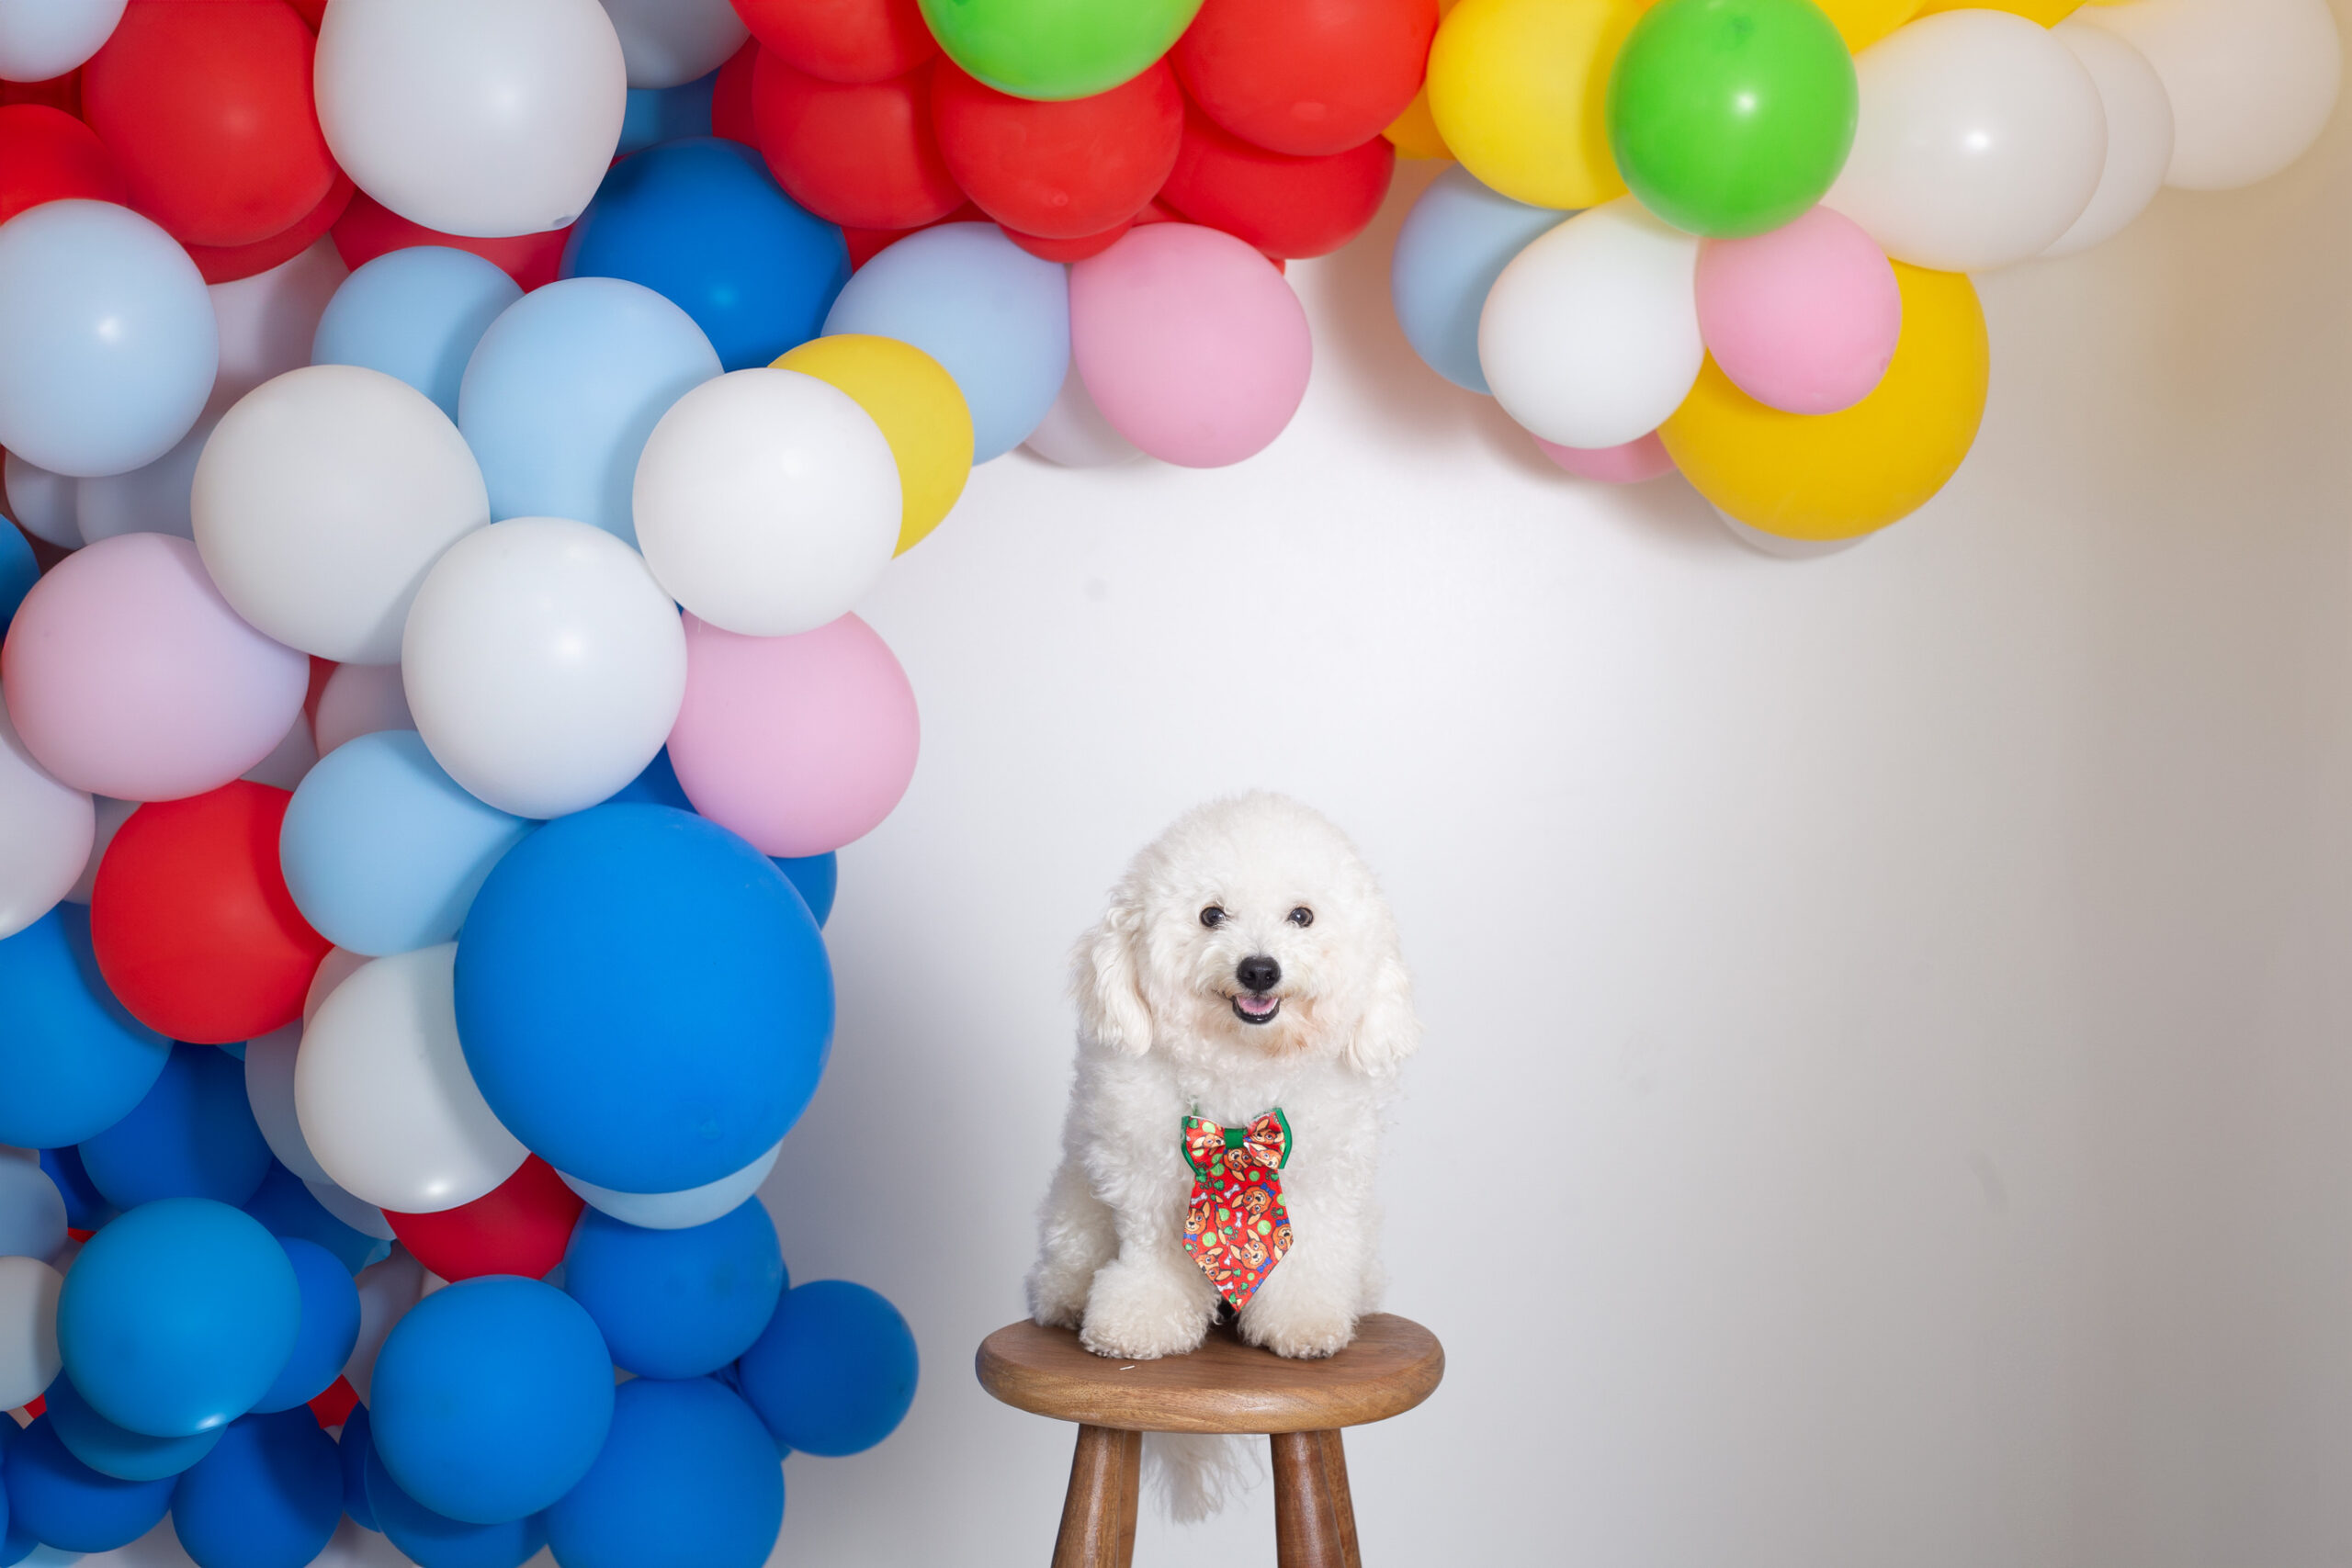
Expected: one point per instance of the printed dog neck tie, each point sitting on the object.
(1236, 1227)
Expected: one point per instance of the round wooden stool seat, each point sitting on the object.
(1223, 1386)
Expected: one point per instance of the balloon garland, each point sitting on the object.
(449, 438)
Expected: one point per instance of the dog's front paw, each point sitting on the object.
(1139, 1312)
(1305, 1330)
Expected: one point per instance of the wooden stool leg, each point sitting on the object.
(1315, 1518)
(1099, 1515)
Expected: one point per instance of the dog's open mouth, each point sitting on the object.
(1251, 1008)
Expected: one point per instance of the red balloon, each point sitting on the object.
(1284, 206)
(313, 12)
(1308, 77)
(1059, 171)
(842, 41)
(367, 229)
(730, 96)
(861, 156)
(194, 932)
(61, 93)
(48, 155)
(207, 109)
(333, 1407)
(1076, 250)
(520, 1227)
(226, 263)
(865, 244)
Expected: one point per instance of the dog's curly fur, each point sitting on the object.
(1163, 1033)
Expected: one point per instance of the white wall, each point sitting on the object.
(1886, 1084)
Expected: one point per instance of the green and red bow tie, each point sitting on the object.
(1236, 1227)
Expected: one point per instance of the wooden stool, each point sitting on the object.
(1225, 1386)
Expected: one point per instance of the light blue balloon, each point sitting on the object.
(415, 314)
(565, 387)
(1454, 244)
(383, 851)
(108, 342)
(32, 1211)
(995, 316)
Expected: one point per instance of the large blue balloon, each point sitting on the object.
(178, 1316)
(72, 1062)
(667, 114)
(415, 314)
(563, 390)
(436, 1540)
(287, 1209)
(643, 999)
(116, 1450)
(351, 1453)
(703, 224)
(995, 316)
(32, 1211)
(268, 1496)
(330, 1327)
(1454, 244)
(85, 1207)
(192, 1136)
(677, 1304)
(108, 341)
(18, 572)
(384, 851)
(61, 1502)
(688, 1479)
(835, 1370)
(490, 1398)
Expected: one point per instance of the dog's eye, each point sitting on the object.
(1302, 916)
(1211, 915)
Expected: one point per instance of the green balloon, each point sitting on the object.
(1057, 49)
(1732, 117)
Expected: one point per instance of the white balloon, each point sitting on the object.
(2139, 134)
(668, 43)
(544, 664)
(29, 1357)
(2252, 82)
(361, 699)
(150, 499)
(1981, 141)
(767, 501)
(321, 501)
(387, 1290)
(45, 832)
(268, 320)
(1590, 336)
(1779, 545)
(361, 1216)
(473, 117)
(44, 39)
(44, 503)
(1075, 434)
(290, 760)
(111, 814)
(339, 964)
(382, 1093)
(269, 1089)
(678, 1211)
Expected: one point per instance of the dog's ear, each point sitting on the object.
(1390, 1029)
(1106, 981)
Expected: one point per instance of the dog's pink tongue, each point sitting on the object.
(1258, 1004)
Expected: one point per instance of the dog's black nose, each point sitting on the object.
(1259, 972)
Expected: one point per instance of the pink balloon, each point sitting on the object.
(1643, 458)
(1192, 345)
(799, 743)
(1804, 318)
(129, 675)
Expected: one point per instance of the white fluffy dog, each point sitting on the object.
(1247, 964)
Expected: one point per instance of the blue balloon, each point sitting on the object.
(72, 1062)
(108, 341)
(383, 851)
(117, 1450)
(814, 877)
(268, 1496)
(61, 1502)
(329, 1328)
(32, 1211)
(234, 1049)
(18, 572)
(677, 1304)
(995, 316)
(436, 1540)
(351, 1453)
(703, 224)
(491, 1397)
(642, 999)
(193, 1136)
(657, 785)
(688, 1479)
(1454, 244)
(563, 390)
(178, 1316)
(834, 1370)
(287, 1209)
(415, 314)
(667, 114)
(85, 1207)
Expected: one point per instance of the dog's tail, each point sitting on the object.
(1196, 1476)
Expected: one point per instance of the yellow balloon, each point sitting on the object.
(1835, 476)
(919, 408)
(1862, 23)
(2049, 13)
(1519, 89)
(1414, 132)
